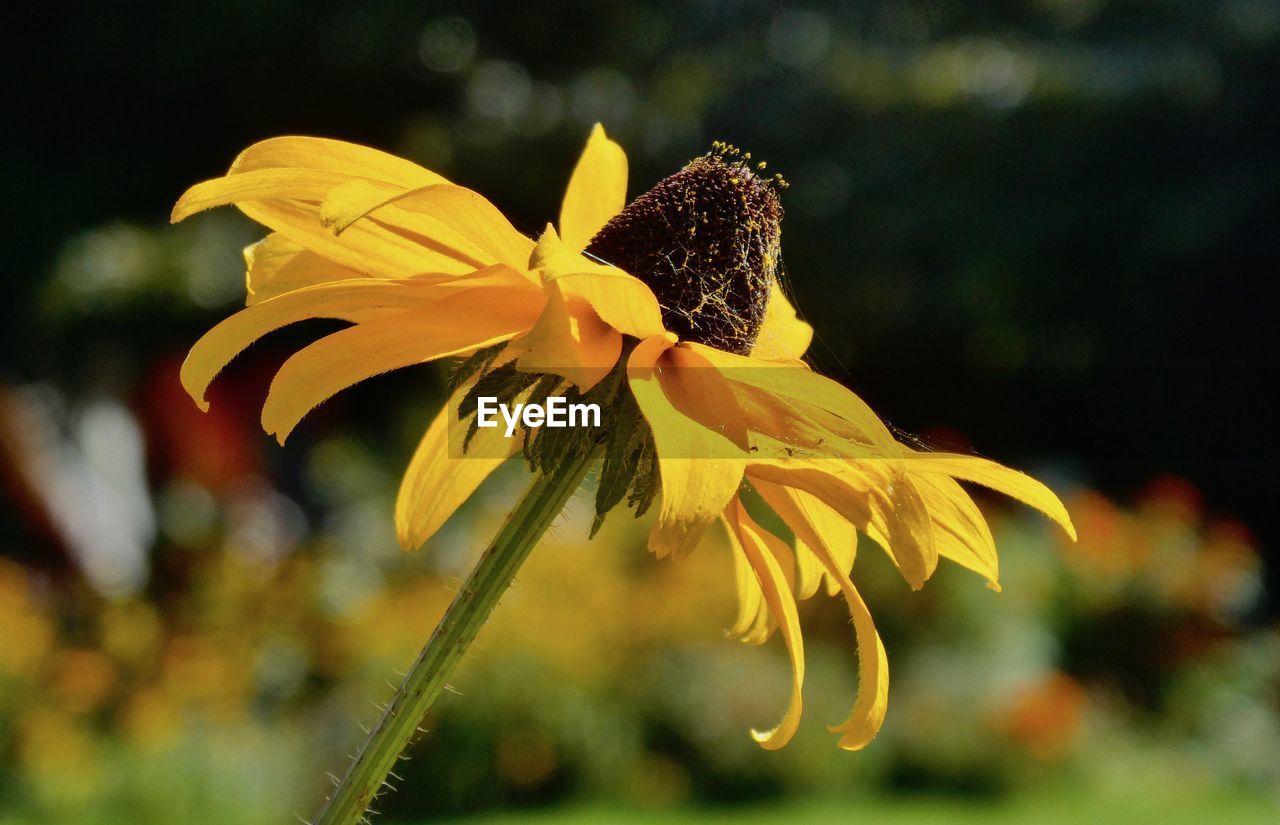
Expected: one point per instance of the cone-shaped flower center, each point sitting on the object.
(706, 241)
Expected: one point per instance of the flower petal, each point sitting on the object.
(257, 185)
(872, 704)
(308, 190)
(752, 541)
(569, 340)
(276, 265)
(440, 478)
(1016, 485)
(755, 623)
(355, 301)
(875, 496)
(960, 530)
(466, 320)
(794, 385)
(453, 216)
(597, 190)
(833, 542)
(351, 200)
(624, 302)
(372, 246)
(700, 469)
(817, 527)
(349, 159)
(782, 334)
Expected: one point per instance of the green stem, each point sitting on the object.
(462, 621)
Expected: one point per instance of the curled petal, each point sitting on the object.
(754, 624)
(817, 527)
(376, 247)
(257, 185)
(776, 592)
(832, 541)
(869, 709)
(323, 195)
(450, 216)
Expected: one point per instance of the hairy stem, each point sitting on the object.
(462, 621)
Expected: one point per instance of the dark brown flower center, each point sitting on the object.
(706, 241)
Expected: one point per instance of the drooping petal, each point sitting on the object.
(754, 623)
(795, 385)
(276, 265)
(1016, 485)
(569, 340)
(869, 709)
(440, 477)
(466, 320)
(700, 469)
(809, 573)
(817, 527)
(876, 496)
(354, 300)
(776, 592)
(782, 334)
(833, 542)
(960, 530)
(597, 190)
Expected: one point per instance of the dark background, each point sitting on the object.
(1044, 231)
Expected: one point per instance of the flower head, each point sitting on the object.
(707, 241)
(668, 309)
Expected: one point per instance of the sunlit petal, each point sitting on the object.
(777, 595)
(597, 190)
(876, 496)
(466, 320)
(1016, 485)
(960, 531)
(700, 469)
(276, 265)
(782, 334)
(569, 340)
(817, 527)
(354, 301)
(440, 477)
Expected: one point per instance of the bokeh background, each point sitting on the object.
(1040, 230)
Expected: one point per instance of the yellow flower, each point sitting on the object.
(675, 293)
